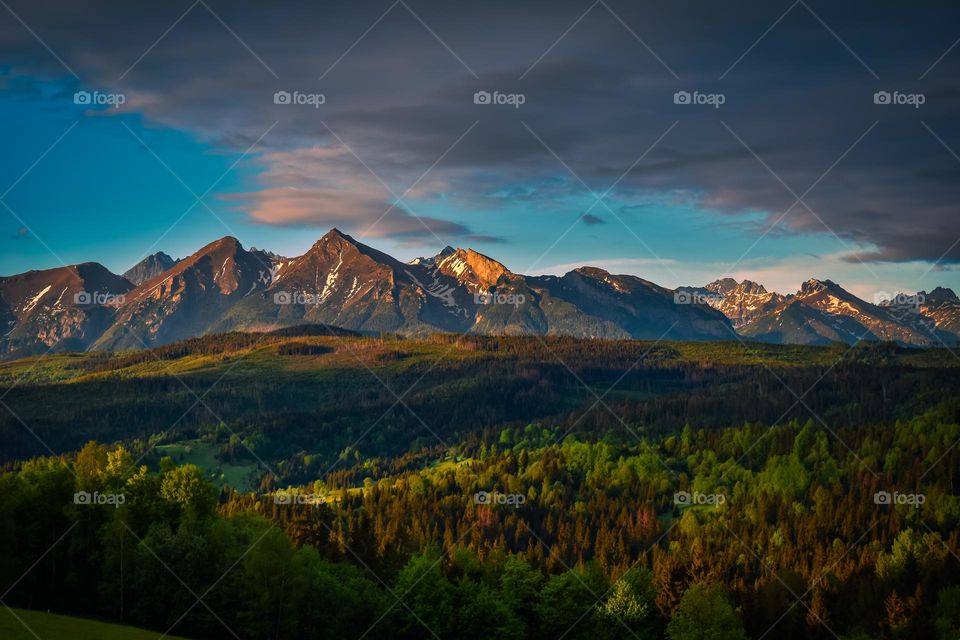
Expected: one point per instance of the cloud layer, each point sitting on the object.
(798, 117)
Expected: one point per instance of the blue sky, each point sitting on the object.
(697, 189)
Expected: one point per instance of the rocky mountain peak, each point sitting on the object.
(592, 272)
(751, 287)
(723, 285)
(471, 268)
(940, 295)
(485, 270)
(814, 286)
(150, 267)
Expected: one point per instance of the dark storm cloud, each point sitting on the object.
(399, 100)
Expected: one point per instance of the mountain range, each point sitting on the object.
(340, 282)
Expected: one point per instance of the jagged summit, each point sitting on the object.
(822, 311)
(741, 301)
(471, 267)
(814, 286)
(186, 299)
(344, 283)
(430, 261)
(729, 285)
(149, 267)
(940, 294)
(334, 234)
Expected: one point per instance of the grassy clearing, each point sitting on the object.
(240, 476)
(23, 624)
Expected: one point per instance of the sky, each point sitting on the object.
(680, 142)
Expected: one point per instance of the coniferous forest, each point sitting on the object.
(468, 487)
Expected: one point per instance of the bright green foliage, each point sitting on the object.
(629, 608)
(705, 614)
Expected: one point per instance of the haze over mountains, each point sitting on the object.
(343, 283)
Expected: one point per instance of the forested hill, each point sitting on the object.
(332, 486)
(732, 534)
(304, 399)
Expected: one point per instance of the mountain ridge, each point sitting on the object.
(343, 283)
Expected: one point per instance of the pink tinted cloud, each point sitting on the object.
(329, 186)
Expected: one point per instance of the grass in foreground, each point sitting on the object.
(51, 626)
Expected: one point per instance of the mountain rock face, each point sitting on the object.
(149, 267)
(940, 294)
(608, 306)
(822, 312)
(741, 301)
(473, 270)
(62, 309)
(188, 299)
(942, 307)
(797, 323)
(937, 312)
(342, 284)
